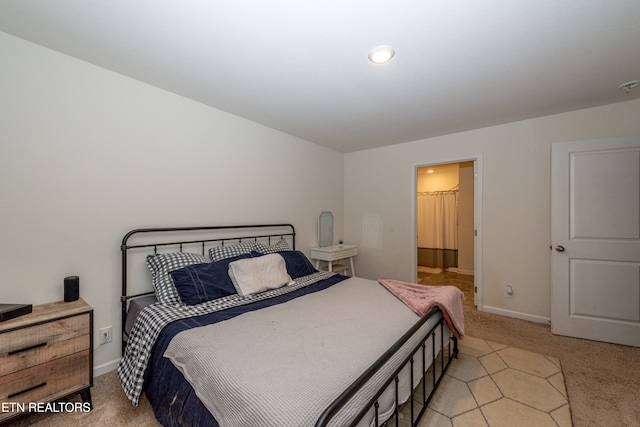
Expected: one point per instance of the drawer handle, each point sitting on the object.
(27, 348)
(27, 390)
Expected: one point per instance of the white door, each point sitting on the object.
(595, 231)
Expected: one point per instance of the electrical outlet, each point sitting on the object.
(509, 292)
(106, 335)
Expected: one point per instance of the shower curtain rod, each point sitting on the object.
(452, 190)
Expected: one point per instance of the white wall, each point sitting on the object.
(516, 207)
(87, 155)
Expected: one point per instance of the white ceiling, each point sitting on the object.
(302, 67)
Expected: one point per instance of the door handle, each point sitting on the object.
(560, 248)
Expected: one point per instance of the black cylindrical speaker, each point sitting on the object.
(71, 288)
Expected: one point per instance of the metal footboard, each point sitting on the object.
(421, 349)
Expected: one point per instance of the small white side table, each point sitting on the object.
(335, 253)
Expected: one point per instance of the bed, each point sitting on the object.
(221, 340)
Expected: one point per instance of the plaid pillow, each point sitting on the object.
(281, 245)
(161, 265)
(218, 253)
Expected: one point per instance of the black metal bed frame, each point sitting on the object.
(125, 247)
(343, 399)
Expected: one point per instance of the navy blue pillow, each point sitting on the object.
(199, 283)
(298, 264)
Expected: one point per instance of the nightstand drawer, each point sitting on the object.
(34, 345)
(46, 355)
(334, 253)
(51, 380)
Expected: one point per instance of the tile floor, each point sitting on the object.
(495, 385)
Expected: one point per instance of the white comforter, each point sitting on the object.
(283, 365)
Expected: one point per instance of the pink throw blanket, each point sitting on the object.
(421, 299)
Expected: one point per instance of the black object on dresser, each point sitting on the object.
(71, 288)
(10, 311)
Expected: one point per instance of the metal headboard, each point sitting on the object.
(161, 237)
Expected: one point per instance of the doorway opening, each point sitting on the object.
(446, 210)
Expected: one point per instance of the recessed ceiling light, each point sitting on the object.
(381, 54)
(430, 171)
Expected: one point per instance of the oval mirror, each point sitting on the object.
(325, 229)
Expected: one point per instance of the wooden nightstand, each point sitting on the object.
(335, 253)
(45, 356)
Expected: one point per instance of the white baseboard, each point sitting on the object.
(106, 367)
(467, 272)
(517, 315)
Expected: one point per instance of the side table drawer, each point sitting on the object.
(345, 253)
(334, 254)
(45, 356)
(51, 380)
(35, 345)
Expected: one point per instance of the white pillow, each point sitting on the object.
(253, 275)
